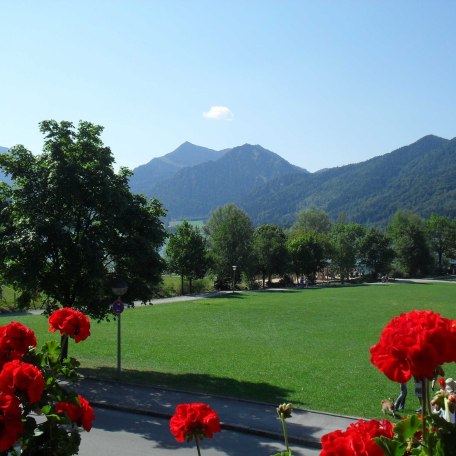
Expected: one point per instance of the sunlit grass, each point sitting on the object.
(309, 347)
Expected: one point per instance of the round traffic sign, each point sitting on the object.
(117, 307)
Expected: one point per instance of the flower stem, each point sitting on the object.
(285, 434)
(63, 347)
(197, 445)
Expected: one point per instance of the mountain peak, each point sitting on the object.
(162, 168)
(188, 154)
(430, 141)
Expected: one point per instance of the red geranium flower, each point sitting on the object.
(414, 344)
(71, 323)
(356, 440)
(10, 421)
(17, 378)
(194, 420)
(80, 413)
(15, 341)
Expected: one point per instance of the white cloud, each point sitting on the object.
(219, 113)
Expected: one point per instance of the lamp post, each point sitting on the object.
(119, 288)
(234, 277)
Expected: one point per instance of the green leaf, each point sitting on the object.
(51, 352)
(46, 409)
(390, 447)
(407, 428)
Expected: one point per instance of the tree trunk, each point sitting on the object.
(182, 284)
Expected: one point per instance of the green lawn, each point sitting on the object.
(309, 347)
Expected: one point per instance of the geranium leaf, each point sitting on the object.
(390, 447)
(407, 428)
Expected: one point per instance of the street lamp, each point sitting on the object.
(119, 288)
(234, 277)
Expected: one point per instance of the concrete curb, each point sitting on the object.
(306, 441)
(297, 429)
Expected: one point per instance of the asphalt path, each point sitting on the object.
(116, 433)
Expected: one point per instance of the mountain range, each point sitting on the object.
(192, 181)
(420, 177)
(192, 192)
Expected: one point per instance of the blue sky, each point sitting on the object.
(321, 83)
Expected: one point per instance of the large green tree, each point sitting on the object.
(312, 219)
(270, 253)
(441, 235)
(187, 253)
(229, 230)
(309, 252)
(375, 252)
(345, 241)
(70, 224)
(407, 231)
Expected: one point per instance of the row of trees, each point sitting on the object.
(70, 227)
(410, 245)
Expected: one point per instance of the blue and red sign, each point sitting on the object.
(117, 306)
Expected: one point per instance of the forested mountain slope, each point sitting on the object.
(420, 177)
(192, 181)
(145, 177)
(195, 191)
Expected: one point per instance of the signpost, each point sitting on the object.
(119, 288)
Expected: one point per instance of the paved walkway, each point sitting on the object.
(304, 427)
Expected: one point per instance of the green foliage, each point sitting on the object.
(409, 243)
(312, 219)
(70, 224)
(55, 434)
(196, 223)
(345, 246)
(440, 437)
(230, 233)
(375, 252)
(187, 253)
(309, 252)
(441, 235)
(269, 250)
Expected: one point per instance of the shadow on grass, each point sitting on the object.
(197, 383)
(236, 294)
(241, 294)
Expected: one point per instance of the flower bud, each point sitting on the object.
(284, 410)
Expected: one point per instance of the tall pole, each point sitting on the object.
(119, 288)
(118, 348)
